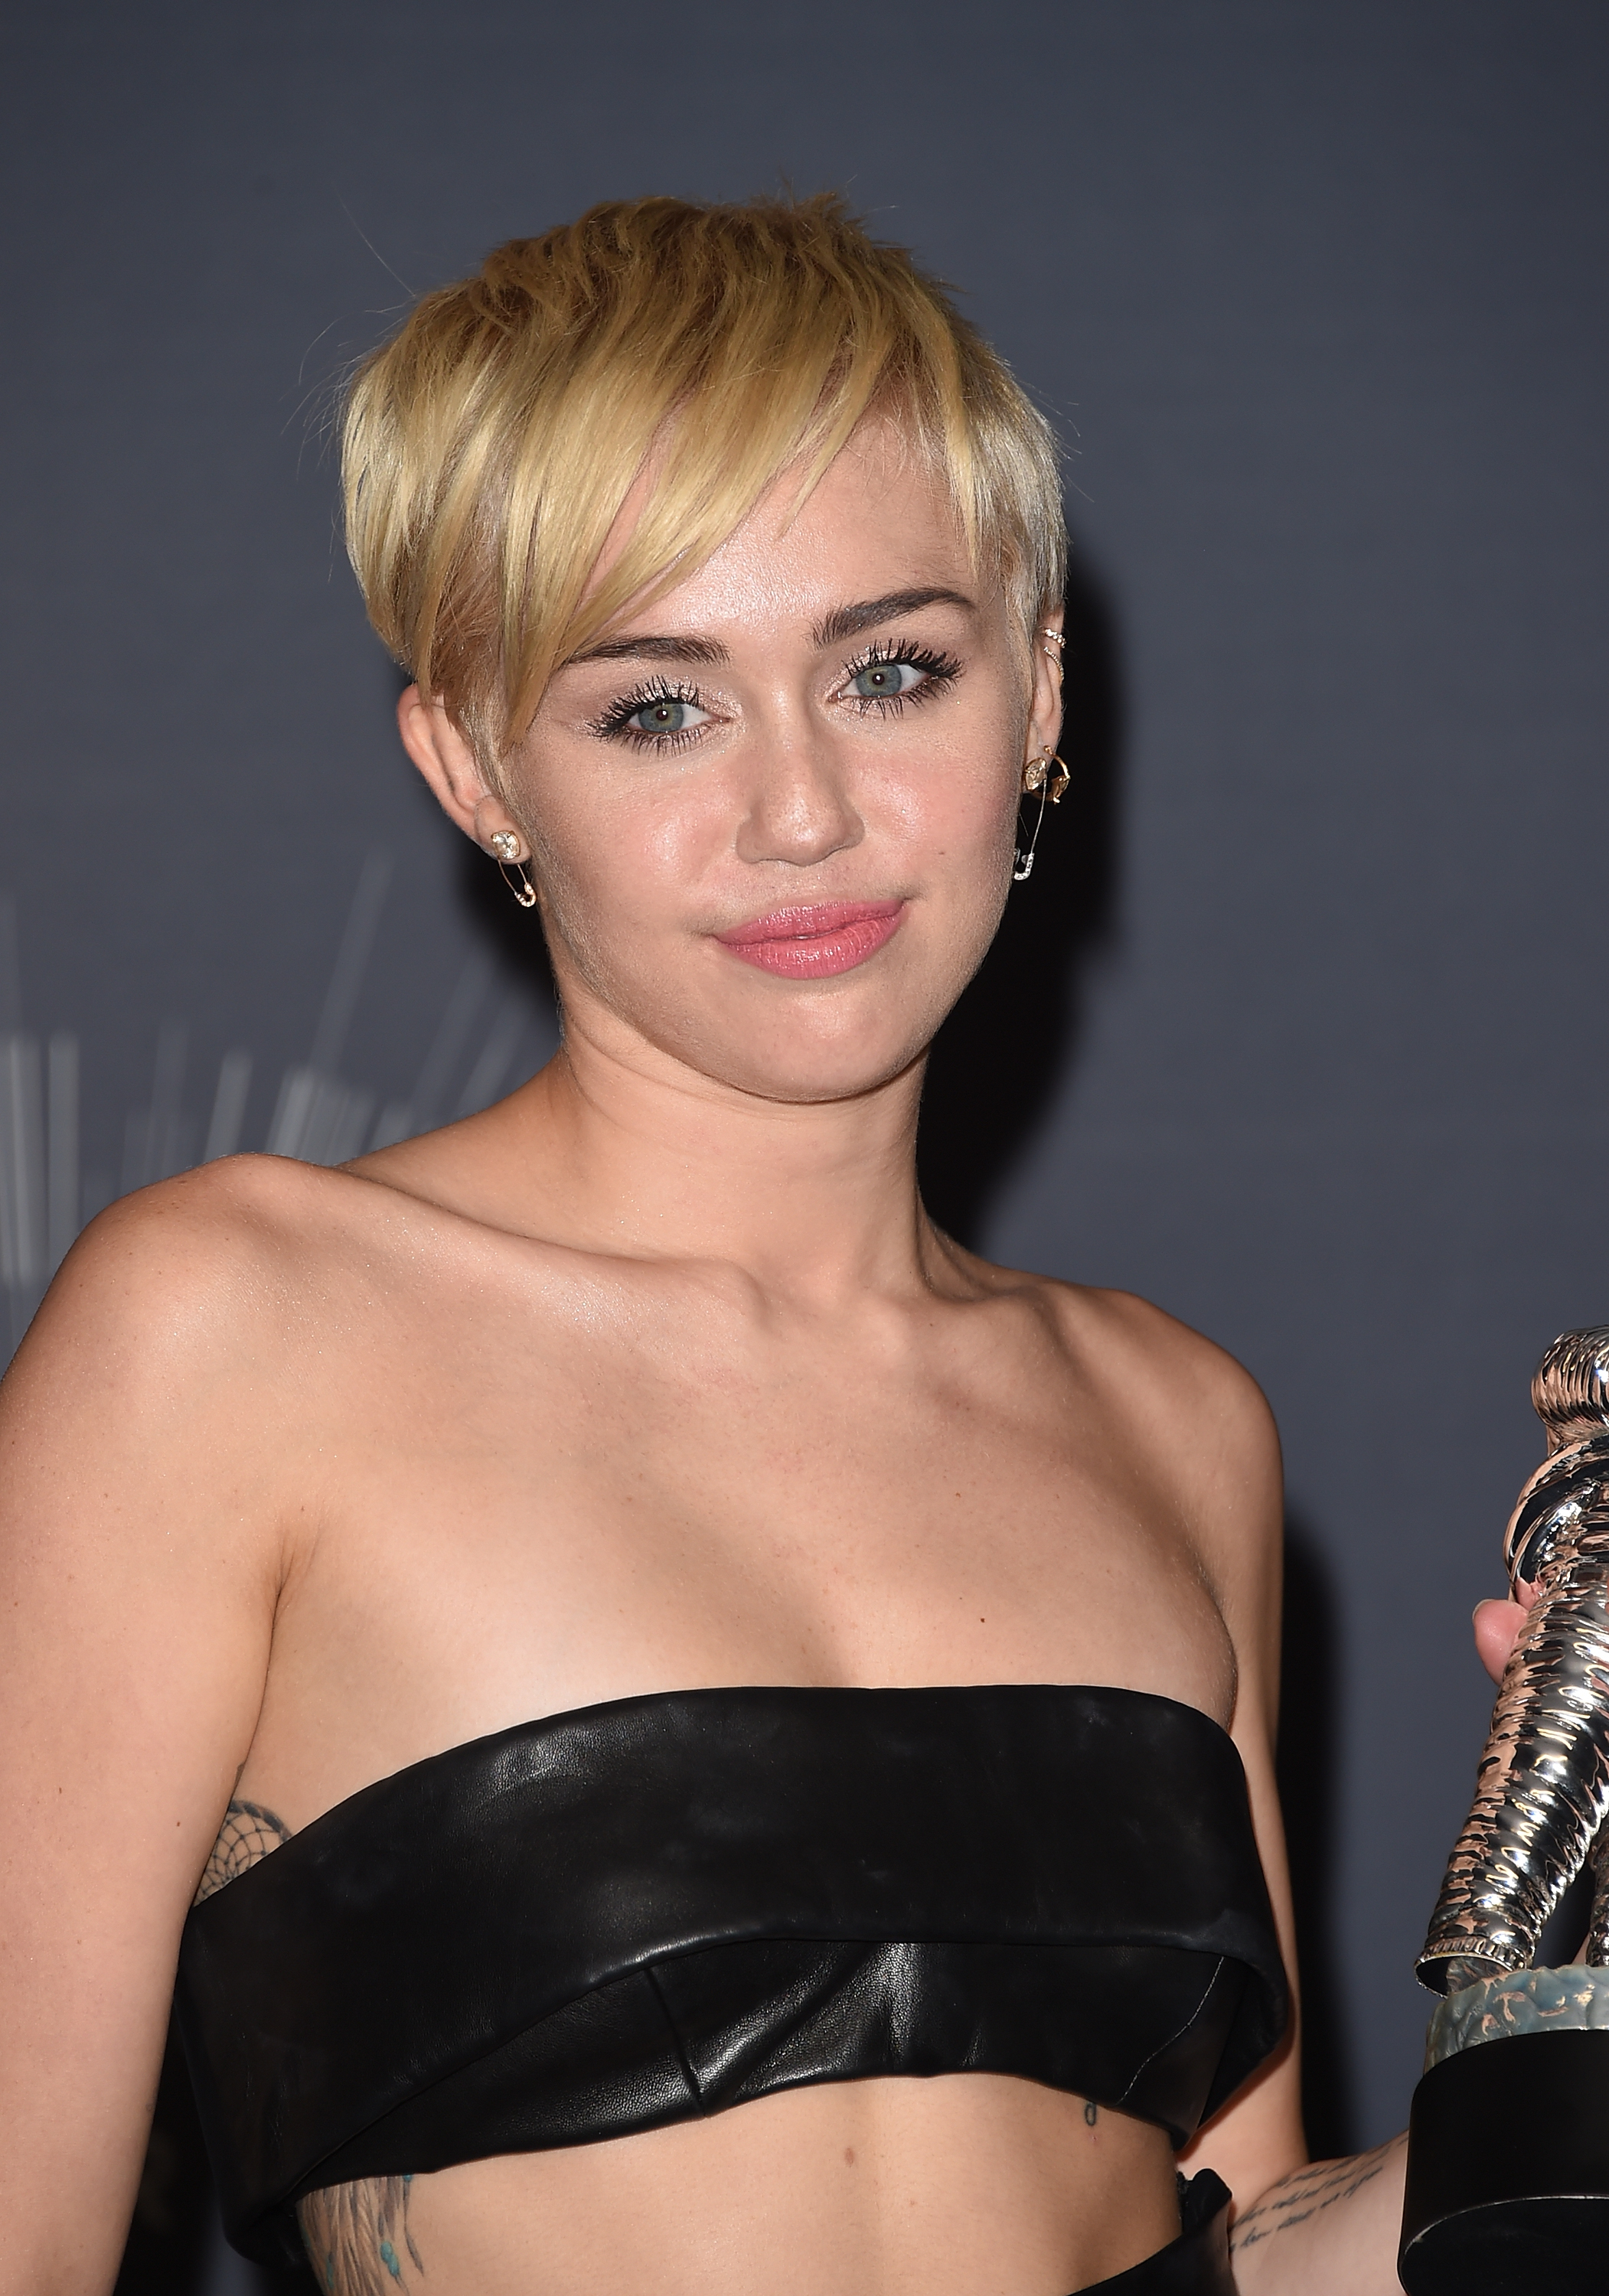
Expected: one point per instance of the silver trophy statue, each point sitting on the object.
(1508, 2150)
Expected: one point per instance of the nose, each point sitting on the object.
(798, 809)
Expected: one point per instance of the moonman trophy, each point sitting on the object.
(1508, 2150)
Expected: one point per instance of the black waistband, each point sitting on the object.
(1197, 2263)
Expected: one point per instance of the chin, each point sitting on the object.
(815, 1055)
(807, 1049)
(810, 1077)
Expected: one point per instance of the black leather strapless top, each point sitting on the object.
(644, 1911)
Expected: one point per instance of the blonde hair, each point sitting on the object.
(488, 447)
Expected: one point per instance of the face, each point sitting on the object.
(771, 818)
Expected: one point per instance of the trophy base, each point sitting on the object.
(1508, 2170)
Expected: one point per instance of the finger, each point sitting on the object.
(1497, 1626)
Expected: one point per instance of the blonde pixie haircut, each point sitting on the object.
(488, 448)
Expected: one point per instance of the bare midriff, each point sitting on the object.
(967, 2185)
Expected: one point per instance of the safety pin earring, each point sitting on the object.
(1036, 774)
(516, 871)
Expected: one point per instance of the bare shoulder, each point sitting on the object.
(1197, 1421)
(1181, 1381)
(193, 1301)
(166, 1271)
(163, 1432)
(1148, 1366)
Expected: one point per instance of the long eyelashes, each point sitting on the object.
(936, 670)
(655, 693)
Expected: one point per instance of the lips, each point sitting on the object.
(809, 944)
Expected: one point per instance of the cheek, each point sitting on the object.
(676, 840)
(958, 813)
(617, 877)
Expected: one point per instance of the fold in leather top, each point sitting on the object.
(641, 1911)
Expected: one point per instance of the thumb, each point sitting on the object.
(1497, 1625)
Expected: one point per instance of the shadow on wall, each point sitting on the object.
(1001, 1058)
(1309, 1787)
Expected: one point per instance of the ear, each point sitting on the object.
(1045, 707)
(451, 767)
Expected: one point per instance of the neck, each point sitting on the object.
(626, 1150)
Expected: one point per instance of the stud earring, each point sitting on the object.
(516, 874)
(1049, 774)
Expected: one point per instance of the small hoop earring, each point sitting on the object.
(1054, 644)
(516, 870)
(1052, 786)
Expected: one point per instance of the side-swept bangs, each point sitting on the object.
(488, 447)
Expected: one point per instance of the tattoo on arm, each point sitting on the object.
(356, 2237)
(247, 1835)
(1305, 2193)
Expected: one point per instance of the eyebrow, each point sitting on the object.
(848, 621)
(651, 649)
(843, 622)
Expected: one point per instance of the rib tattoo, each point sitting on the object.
(357, 2236)
(352, 2232)
(1303, 2194)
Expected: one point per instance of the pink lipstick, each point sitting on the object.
(808, 944)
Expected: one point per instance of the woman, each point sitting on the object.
(582, 1602)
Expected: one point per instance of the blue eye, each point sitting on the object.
(666, 715)
(880, 680)
(653, 716)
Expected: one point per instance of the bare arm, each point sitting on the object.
(139, 1564)
(1328, 2228)
(1332, 2229)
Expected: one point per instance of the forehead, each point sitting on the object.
(879, 520)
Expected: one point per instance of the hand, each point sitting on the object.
(1497, 1625)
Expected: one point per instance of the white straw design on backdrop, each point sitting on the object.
(319, 1115)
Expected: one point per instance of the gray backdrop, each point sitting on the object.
(1295, 1029)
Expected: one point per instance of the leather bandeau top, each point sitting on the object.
(644, 1911)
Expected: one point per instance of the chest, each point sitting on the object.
(530, 1515)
